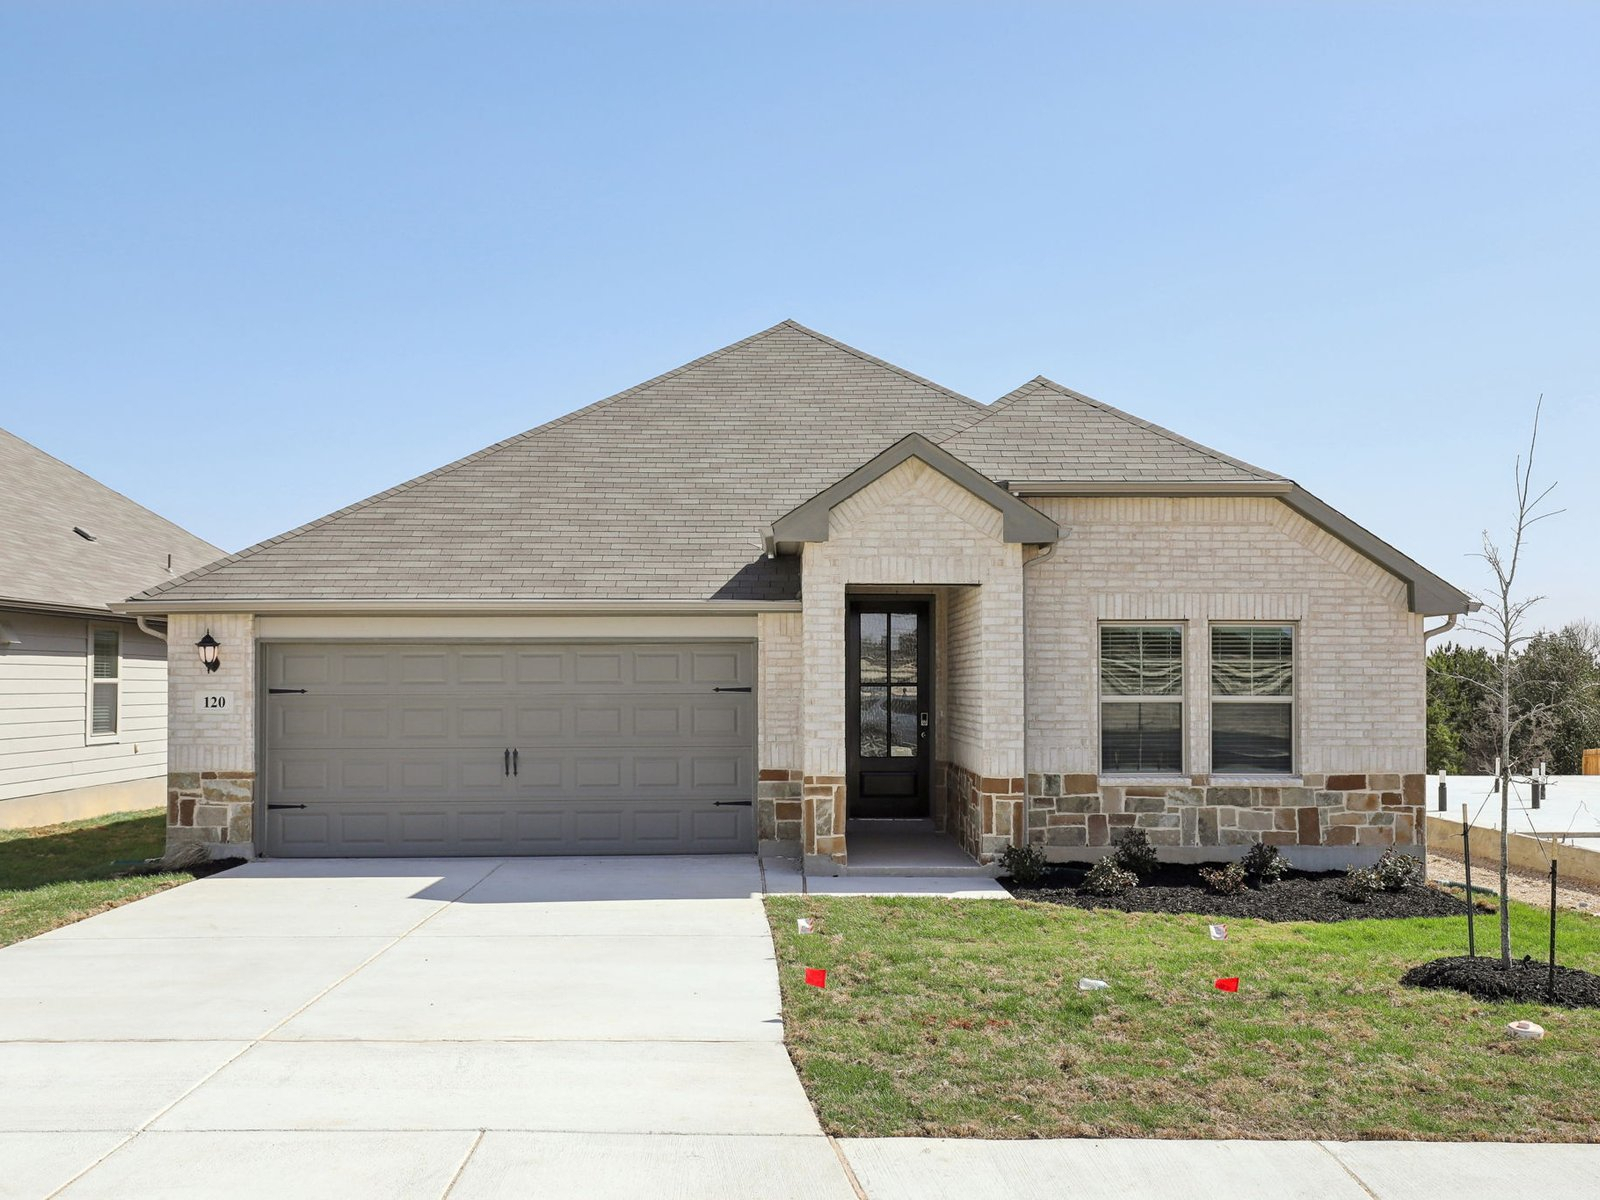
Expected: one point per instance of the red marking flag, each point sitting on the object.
(818, 977)
(1228, 985)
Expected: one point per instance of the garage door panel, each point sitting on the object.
(400, 749)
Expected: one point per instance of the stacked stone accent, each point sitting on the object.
(822, 816)
(986, 814)
(211, 807)
(780, 804)
(1376, 810)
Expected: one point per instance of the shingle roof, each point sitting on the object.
(662, 492)
(1043, 431)
(44, 563)
(659, 492)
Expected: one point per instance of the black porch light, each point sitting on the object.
(209, 646)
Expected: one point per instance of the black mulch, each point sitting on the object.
(200, 870)
(1525, 981)
(1299, 896)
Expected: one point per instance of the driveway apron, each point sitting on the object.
(466, 1028)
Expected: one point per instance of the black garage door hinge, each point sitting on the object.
(286, 691)
(732, 803)
(730, 689)
(273, 806)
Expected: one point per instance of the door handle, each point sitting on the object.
(514, 754)
(507, 765)
(275, 807)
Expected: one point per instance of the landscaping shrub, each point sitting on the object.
(1025, 864)
(1264, 864)
(1359, 885)
(1135, 853)
(1225, 879)
(1108, 878)
(1396, 872)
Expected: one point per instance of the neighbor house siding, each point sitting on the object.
(45, 747)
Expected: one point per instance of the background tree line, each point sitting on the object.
(1555, 703)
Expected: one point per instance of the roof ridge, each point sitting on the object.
(107, 488)
(476, 455)
(1152, 427)
(880, 362)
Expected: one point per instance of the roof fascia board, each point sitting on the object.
(1426, 592)
(105, 613)
(809, 521)
(455, 607)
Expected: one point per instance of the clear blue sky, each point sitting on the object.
(260, 260)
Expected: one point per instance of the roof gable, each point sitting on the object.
(44, 563)
(1046, 432)
(808, 522)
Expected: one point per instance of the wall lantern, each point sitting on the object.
(208, 651)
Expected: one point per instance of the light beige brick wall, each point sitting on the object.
(211, 762)
(779, 688)
(1359, 670)
(964, 646)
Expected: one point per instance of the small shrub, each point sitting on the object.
(1135, 853)
(1358, 886)
(1225, 879)
(1264, 864)
(1108, 878)
(1025, 864)
(1396, 872)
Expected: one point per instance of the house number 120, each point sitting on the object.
(213, 702)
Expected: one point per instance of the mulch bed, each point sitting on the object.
(202, 870)
(1525, 981)
(1299, 896)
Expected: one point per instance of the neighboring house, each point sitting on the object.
(83, 691)
(789, 587)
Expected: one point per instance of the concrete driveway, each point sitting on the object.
(471, 1028)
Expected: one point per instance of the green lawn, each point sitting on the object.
(963, 1019)
(56, 874)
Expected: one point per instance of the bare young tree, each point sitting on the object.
(1502, 617)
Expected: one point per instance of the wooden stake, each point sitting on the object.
(1466, 861)
(1550, 985)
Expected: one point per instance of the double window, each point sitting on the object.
(1141, 699)
(1252, 699)
(1142, 696)
(105, 683)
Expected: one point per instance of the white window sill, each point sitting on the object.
(1153, 780)
(1257, 781)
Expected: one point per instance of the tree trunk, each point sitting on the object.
(1504, 784)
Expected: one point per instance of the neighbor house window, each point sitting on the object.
(105, 682)
(1252, 699)
(1141, 699)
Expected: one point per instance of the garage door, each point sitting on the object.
(494, 748)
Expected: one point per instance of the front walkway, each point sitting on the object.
(472, 1029)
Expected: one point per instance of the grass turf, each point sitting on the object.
(963, 1019)
(53, 875)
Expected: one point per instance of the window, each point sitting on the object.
(1252, 699)
(105, 682)
(1141, 699)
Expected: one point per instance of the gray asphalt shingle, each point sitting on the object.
(661, 492)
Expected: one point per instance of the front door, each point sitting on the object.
(888, 707)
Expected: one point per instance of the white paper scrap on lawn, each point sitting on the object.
(1526, 1029)
(1092, 985)
(803, 924)
(1219, 933)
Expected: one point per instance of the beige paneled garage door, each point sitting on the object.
(377, 748)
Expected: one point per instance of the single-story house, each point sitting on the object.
(83, 690)
(788, 590)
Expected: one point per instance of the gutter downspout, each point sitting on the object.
(144, 627)
(1038, 558)
(1449, 624)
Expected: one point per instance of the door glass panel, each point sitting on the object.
(874, 648)
(903, 650)
(874, 720)
(902, 722)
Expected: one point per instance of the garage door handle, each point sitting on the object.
(732, 803)
(286, 691)
(514, 755)
(723, 689)
(273, 806)
(507, 767)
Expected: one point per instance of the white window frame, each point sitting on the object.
(1292, 700)
(1181, 700)
(90, 737)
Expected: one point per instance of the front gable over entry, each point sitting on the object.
(809, 522)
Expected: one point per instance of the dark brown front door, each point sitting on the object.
(888, 707)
